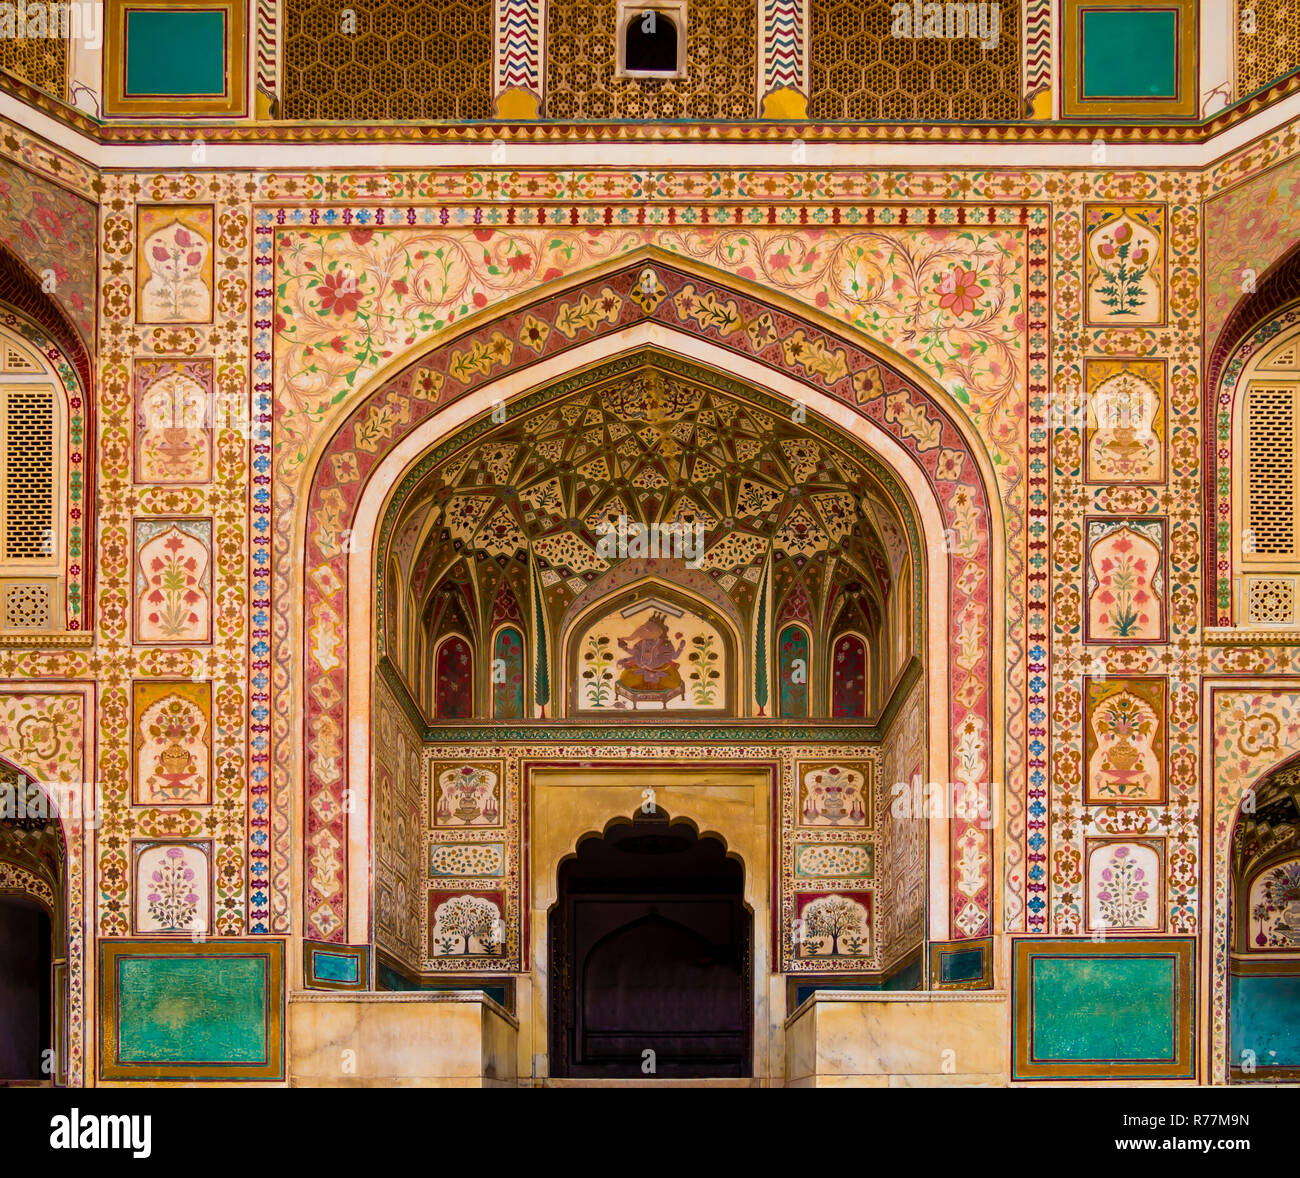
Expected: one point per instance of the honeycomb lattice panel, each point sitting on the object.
(721, 65)
(29, 475)
(861, 73)
(1273, 49)
(1270, 471)
(404, 61)
(27, 607)
(40, 61)
(1270, 601)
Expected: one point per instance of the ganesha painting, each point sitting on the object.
(651, 655)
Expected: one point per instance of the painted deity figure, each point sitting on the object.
(650, 670)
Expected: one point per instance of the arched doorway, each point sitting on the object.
(33, 947)
(651, 956)
(483, 843)
(1264, 933)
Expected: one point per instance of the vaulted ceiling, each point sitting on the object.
(658, 449)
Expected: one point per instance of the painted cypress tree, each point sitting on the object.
(542, 679)
(760, 641)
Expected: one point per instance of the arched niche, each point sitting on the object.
(1263, 984)
(652, 648)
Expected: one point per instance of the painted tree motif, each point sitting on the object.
(466, 919)
(597, 672)
(454, 674)
(704, 675)
(837, 919)
(1124, 257)
(849, 678)
(792, 653)
(177, 288)
(1124, 584)
(508, 675)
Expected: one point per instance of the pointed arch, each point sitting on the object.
(860, 389)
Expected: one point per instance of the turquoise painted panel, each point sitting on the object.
(961, 965)
(1266, 1019)
(172, 52)
(336, 967)
(1104, 1008)
(209, 1010)
(1130, 53)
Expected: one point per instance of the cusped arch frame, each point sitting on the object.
(415, 482)
(76, 812)
(874, 397)
(1224, 404)
(70, 366)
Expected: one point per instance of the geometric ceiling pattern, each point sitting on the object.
(653, 448)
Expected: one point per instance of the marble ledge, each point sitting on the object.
(378, 997)
(870, 997)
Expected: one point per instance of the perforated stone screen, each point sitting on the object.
(40, 61)
(402, 61)
(1272, 49)
(861, 72)
(721, 65)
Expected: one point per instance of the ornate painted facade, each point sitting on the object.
(719, 463)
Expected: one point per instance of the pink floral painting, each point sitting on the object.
(1125, 581)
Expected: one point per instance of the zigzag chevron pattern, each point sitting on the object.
(519, 46)
(783, 44)
(1038, 45)
(266, 65)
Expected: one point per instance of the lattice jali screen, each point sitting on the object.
(1270, 514)
(1272, 49)
(402, 61)
(27, 606)
(721, 65)
(29, 525)
(40, 61)
(860, 72)
(1270, 601)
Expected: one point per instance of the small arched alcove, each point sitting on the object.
(33, 937)
(1264, 932)
(651, 950)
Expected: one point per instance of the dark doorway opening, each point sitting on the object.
(651, 957)
(24, 991)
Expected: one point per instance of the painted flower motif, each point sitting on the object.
(1258, 734)
(339, 293)
(959, 291)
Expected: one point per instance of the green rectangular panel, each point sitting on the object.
(1130, 53)
(1104, 1008)
(203, 1010)
(175, 53)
